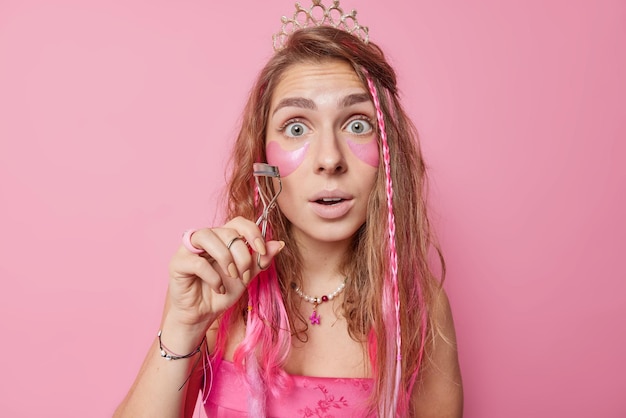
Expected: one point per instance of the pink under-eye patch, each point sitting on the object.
(367, 152)
(286, 161)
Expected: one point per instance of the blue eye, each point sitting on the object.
(295, 129)
(359, 127)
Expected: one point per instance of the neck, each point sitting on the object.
(321, 263)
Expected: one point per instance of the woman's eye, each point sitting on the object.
(295, 129)
(359, 126)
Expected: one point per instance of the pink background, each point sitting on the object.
(116, 118)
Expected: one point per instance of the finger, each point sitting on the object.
(250, 232)
(212, 241)
(187, 242)
(254, 243)
(239, 251)
(186, 266)
(273, 249)
(242, 257)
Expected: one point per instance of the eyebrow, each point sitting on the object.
(305, 103)
(295, 102)
(353, 99)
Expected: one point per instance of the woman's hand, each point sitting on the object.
(202, 286)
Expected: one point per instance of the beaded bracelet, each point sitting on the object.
(167, 354)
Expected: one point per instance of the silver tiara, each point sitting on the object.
(319, 15)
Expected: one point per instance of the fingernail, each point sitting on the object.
(282, 245)
(222, 290)
(260, 246)
(246, 276)
(232, 270)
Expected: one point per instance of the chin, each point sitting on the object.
(330, 233)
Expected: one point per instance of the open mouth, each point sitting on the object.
(329, 201)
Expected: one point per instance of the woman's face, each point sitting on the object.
(321, 134)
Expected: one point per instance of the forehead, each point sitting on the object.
(306, 79)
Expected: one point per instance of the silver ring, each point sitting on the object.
(232, 241)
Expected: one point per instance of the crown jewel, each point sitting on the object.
(319, 15)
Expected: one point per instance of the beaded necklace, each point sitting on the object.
(317, 300)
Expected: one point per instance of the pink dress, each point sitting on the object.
(324, 397)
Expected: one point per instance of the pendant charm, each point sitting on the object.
(318, 300)
(314, 318)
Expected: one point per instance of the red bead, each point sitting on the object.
(324, 298)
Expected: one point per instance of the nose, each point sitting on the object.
(329, 156)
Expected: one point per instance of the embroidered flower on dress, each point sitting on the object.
(321, 410)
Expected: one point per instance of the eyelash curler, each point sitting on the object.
(264, 173)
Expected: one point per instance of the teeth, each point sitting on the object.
(331, 199)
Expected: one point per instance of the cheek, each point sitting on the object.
(368, 152)
(286, 161)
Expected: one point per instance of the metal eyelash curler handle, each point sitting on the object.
(267, 172)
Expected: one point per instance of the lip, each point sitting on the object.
(334, 211)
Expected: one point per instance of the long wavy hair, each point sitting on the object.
(395, 341)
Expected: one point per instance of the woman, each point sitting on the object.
(337, 310)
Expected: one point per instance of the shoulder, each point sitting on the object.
(439, 389)
(442, 313)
